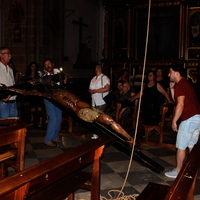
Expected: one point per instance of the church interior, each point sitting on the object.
(119, 35)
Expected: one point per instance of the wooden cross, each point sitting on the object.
(81, 25)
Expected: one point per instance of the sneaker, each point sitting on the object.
(171, 174)
(94, 136)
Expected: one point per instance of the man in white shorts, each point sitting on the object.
(188, 111)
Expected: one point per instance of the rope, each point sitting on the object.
(120, 195)
(138, 112)
(112, 196)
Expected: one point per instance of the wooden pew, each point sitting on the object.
(183, 186)
(9, 121)
(159, 128)
(12, 146)
(134, 108)
(59, 176)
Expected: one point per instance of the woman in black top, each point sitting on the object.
(162, 79)
(35, 102)
(151, 101)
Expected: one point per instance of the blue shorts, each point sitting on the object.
(188, 132)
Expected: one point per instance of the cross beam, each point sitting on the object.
(81, 25)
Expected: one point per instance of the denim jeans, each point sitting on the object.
(54, 119)
(8, 110)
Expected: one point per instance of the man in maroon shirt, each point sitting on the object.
(188, 111)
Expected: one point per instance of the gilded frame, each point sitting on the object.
(192, 74)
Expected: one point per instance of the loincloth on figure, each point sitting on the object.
(89, 114)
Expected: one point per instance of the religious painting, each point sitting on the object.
(17, 34)
(163, 38)
(193, 33)
(194, 28)
(16, 15)
(120, 37)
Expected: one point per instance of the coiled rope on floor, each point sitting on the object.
(114, 195)
(120, 196)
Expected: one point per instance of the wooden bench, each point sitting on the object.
(159, 128)
(183, 186)
(9, 121)
(59, 176)
(69, 121)
(134, 108)
(12, 146)
(69, 130)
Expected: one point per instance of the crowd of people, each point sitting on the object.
(155, 93)
(157, 89)
(8, 104)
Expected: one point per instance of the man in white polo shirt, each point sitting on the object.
(8, 106)
(99, 87)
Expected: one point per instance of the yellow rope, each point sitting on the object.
(112, 196)
(138, 113)
(120, 195)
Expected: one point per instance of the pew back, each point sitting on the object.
(59, 176)
(12, 147)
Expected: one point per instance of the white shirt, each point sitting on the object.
(55, 71)
(7, 77)
(98, 82)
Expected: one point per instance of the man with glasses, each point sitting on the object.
(8, 106)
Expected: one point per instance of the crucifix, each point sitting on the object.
(81, 25)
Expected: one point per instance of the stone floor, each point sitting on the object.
(115, 163)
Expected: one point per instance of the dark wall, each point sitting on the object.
(163, 43)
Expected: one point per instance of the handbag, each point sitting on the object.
(109, 98)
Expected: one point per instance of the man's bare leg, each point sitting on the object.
(180, 158)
